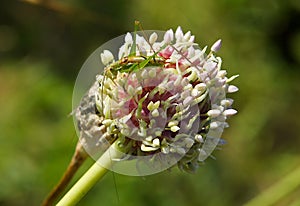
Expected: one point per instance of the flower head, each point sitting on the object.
(167, 102)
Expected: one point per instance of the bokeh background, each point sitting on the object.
(43, 44)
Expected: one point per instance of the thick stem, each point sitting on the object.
(279, 190)
(77, 160)
(95, 173)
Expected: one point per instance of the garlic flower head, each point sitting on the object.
(164, 105)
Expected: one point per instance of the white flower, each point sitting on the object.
(107, 57)
(216, 46)
(153, 37)
(168, 37)
(166, 103)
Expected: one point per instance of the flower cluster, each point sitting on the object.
(164, 99)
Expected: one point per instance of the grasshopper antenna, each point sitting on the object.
(146, 37)
(133, 47)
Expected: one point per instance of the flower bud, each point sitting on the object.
(216, 46)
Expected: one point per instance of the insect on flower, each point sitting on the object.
(163, 101)
(133, 62)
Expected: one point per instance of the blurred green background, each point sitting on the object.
(43, 45)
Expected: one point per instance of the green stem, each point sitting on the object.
(279, 190)
(95, 173)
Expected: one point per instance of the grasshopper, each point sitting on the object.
(132, 62)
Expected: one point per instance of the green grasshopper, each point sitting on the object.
(132, 62)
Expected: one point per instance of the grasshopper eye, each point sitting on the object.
(124, 60)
